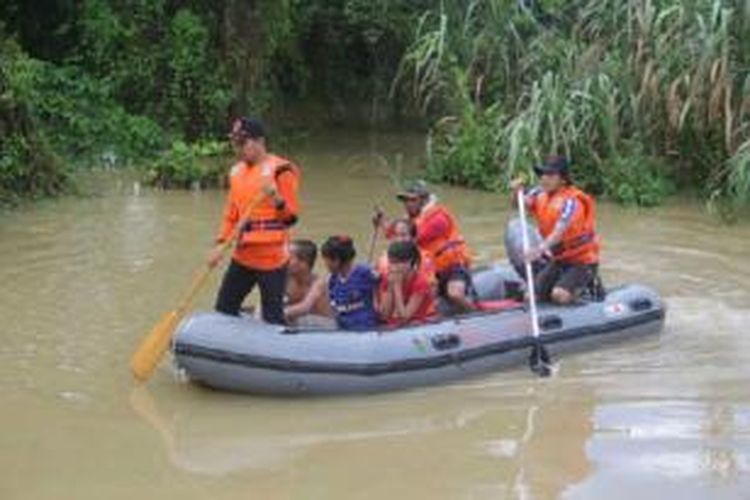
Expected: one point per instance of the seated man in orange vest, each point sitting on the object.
(262, 250)
(438, 236)
(566, 218)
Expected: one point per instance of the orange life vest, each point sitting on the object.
(264, 238)
(579, 243)
(449, 249)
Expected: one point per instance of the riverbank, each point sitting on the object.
(364, 152)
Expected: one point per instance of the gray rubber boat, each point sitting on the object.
(246, 355)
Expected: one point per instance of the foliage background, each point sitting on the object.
(646, 96)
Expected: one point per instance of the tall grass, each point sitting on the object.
(659, 88)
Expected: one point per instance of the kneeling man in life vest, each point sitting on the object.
(439, 237)
(262, 187)
(566, 218)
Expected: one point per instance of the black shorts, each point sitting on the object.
(456, 273)
(574, 278)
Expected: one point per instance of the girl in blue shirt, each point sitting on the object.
(351, 287)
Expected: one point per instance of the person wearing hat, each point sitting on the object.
(566, 217)
(439, 237)
(262, 250)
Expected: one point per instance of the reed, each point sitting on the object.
(668, 82)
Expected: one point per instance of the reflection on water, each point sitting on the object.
(670, 444)
(502, 457)
(83, 279)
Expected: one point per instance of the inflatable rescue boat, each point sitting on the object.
(242, 354)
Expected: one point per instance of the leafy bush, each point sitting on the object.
(733, 193)
(78, 114)
(463, 150)
(28, 166)
(503, 83)
(589, 79)
(637, 179)
(159, 61)
(463, 154)
(485, 148)
(202, 164)
(197, 94)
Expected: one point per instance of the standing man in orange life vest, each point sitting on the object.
(566, 217)
(262, 250)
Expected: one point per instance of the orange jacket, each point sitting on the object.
(263, 243)
(579, 243)
(439, 237)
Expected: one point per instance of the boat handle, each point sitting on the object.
(552, 322)
(445, 341)
(641, 304)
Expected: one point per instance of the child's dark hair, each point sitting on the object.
(404, 251)
(340, 248)
(408, 222)
(306, 251)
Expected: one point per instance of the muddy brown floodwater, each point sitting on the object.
(81, 280)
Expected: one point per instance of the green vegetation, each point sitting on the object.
(27, 164)
(646, 96)
(642, 94)
(196, 165)
(118, 82)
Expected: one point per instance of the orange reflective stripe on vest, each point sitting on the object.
(263, 225)
(264, 237)
(580, 243)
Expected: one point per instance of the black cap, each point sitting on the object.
(415, 189)
(248, 128)
(553, 165)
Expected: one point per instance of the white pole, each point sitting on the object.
(527, 265)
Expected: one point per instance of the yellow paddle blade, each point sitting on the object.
(152, 348)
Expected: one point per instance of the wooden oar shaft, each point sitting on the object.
(199, 279)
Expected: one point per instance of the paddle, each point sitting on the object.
(151, 349)
(375, 231)
(539, 361)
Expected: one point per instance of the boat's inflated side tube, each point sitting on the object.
(500, 282)
(514, 244)
(245, 355)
